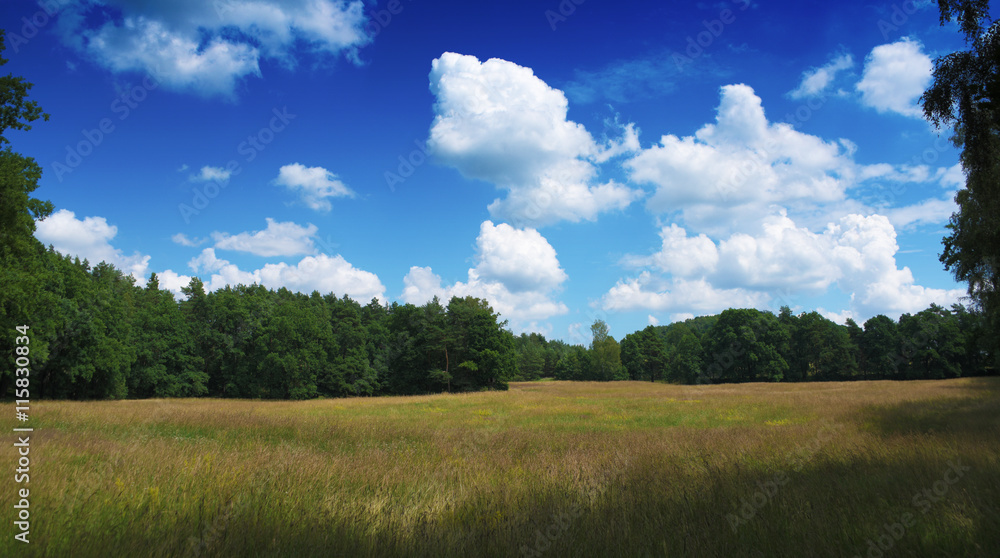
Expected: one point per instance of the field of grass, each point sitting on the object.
(545, 469)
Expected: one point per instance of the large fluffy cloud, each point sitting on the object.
(207, 47)
(782, 255)
(496, 121)
(895, 75)
(759, 211)
(681, 256)
(323, 273)
(740, 165)
(89, 238)
(735, 171)
(520, 259)
(678, 296)
(857, 254)
(516, 270)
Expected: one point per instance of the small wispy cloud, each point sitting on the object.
(816, 81)
(315, 185)
(184, 240)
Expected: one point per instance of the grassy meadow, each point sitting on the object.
(545, 469)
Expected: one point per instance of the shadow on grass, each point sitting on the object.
(831, 507)
(976, 414)
(838, 502)
(989, 384)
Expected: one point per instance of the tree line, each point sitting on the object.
(749, 345)
(96, 334)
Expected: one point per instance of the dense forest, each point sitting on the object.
(96, 334)
(747, 345)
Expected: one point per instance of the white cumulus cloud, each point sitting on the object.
(89, 238)
(649, 292)
(857, 254)
(680, 256)
(516, 270)
(496, 121)
(209, 47)
(895, 75)
(173, 282)
(315, 185)
(520, 259)
(757, 212)
(740, 165)
(734, 172)
(278, 239)
(323, 273)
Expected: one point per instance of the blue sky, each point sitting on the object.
(637, 162)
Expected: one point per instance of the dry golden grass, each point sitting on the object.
(547, 468)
